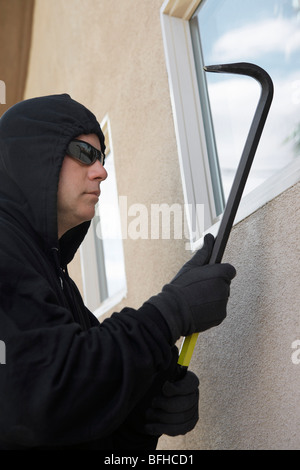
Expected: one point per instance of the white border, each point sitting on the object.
(189, 128)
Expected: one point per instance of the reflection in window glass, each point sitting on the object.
(266, 33)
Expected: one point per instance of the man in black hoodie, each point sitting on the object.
(70, 381)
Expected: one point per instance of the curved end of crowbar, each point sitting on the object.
(254, 71)
(248, 69)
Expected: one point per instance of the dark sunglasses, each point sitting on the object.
(85, 152)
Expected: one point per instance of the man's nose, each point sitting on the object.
(97, 171)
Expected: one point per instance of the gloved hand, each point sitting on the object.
(132, 433)
(196, 299)
(175, 410)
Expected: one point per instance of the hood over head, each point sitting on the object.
(34, 135)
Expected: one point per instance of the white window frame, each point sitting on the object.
(89, 271)
(189, 128)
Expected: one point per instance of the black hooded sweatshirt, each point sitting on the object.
(67, 381)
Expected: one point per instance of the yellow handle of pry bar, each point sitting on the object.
(187, 349)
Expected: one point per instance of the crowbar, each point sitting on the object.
(258, 122)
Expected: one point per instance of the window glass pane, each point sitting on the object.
(266, 33)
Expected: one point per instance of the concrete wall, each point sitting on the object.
(109, 55)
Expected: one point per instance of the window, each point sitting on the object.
(103, 268)
(267, 34)
(213, 112)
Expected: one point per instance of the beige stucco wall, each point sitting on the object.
(109, 55)
(15, 35)
(249, 386)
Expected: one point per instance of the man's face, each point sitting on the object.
(78, 189)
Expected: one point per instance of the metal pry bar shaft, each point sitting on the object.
(258, 122)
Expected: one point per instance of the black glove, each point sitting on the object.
(196, 298)
(175, 410)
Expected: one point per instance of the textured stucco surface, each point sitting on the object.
(249, 386)
(15, 36)
(109, 55)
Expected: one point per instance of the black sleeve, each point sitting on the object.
(62, 385)
(131, 434)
